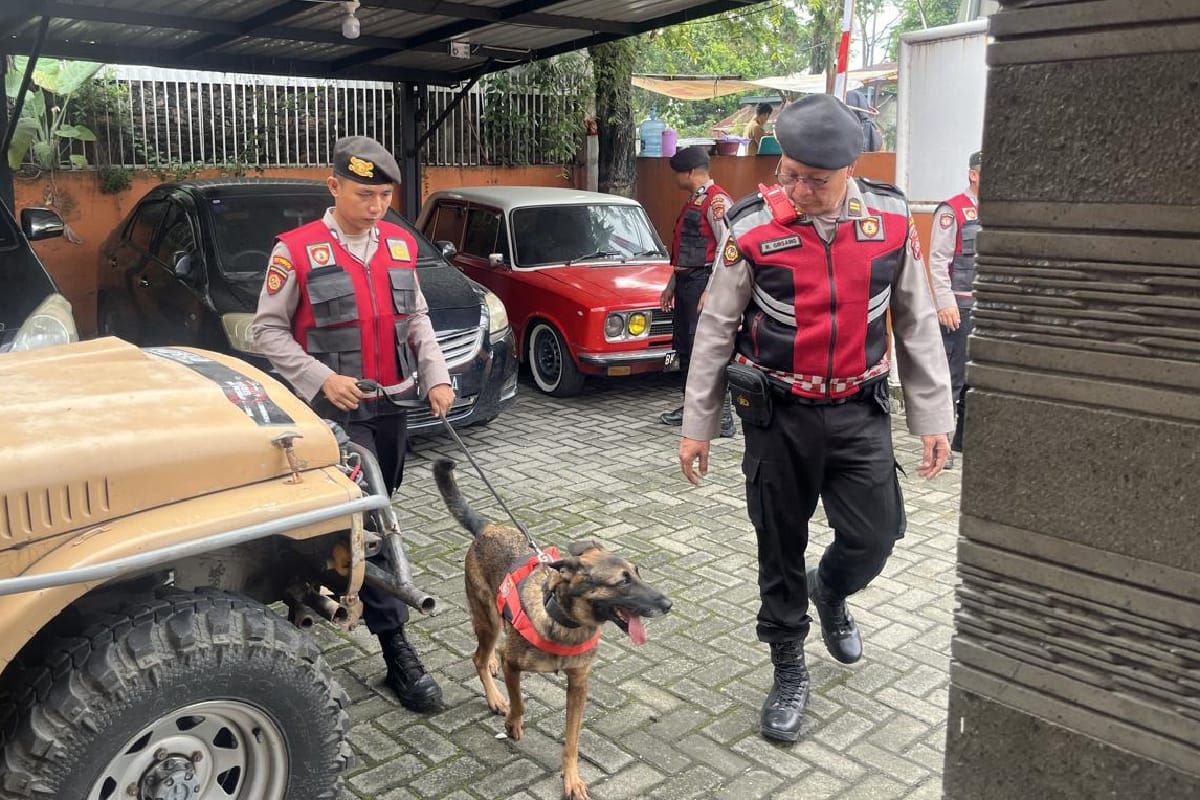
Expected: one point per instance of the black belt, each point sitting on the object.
(782, 393)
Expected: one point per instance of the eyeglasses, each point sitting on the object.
(788, 181)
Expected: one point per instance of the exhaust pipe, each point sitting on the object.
(327, 607)
(300, 614)
(381, 579)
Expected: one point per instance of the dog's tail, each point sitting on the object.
(443, 473)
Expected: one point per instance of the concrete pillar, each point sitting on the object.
(1076, 655)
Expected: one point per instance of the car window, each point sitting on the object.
(448, 225)
(145, 223)
(245, 226)
(483, 227)
(176, 236)
(599, 234)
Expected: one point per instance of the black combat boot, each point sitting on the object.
(841, 635)
(728, 429)
(672, 417)
(415, 687)
(783, 710)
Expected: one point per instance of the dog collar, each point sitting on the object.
(508, 603)
(551, 604)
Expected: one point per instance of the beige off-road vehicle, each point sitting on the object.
(153, 504)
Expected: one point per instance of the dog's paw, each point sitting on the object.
(515, 728)
(494, 665)
(574, 788)
(498, 705)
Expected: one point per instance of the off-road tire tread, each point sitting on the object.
(46, 706)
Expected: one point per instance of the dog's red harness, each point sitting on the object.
(508, 602)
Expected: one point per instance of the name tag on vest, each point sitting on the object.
(775, 245)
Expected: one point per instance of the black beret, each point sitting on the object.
(690, 158)
(976, 159)
(364, 160)
(820, 131)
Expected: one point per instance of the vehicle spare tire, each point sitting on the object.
(205, 695)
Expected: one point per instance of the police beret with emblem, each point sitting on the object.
(818, 130)
(364, 160)
(975, 160)
(690, 158)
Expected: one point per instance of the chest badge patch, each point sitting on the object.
(869, 229)
(732, 255)
(970, 214)
(775, 245)
(320, 255)
(398, 250)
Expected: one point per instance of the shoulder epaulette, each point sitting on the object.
(879, 187)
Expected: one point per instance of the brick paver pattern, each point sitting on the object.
(677, 717)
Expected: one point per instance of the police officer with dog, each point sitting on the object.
(796, 323)
(952, 269)
(341, 302)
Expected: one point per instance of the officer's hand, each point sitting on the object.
(703, 300)
(949, 318)
(441, 397)
(937, 452)
(666, 300)
(689, 451)
(342, 391)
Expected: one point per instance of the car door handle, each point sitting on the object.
(144, 283)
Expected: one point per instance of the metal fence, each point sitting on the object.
(158, 117)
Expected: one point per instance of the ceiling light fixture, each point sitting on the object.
(350, 26)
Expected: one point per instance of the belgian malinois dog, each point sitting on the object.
(564, 601)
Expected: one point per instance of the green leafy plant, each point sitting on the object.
(551, 131)
(114, 180)
(42, 128)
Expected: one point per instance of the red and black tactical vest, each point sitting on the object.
(962, 268)
(695, 242)
(816, 323)
(353, 317)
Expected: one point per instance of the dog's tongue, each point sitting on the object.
(637, 632)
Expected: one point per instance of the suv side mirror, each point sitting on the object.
(184, 265)
(41, 223)
(448, 249)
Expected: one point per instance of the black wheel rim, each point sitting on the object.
(547, 356)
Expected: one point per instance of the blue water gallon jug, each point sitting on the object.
(651, 132)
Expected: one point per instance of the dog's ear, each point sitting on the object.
(567, 566)
(579, 548)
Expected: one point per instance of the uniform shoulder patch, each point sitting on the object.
(914, 240)
(277, 275)
(278, 260)
(945, 220)
(731, 254)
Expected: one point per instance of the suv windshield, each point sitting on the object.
(245, 226)
(598, 234)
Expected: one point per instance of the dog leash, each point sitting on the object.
(374, 387)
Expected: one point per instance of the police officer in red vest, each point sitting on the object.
(341, 302)
(795, 322)
(699, 228)
(952, 267)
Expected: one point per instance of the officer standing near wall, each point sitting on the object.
(796, 319)
(341, 302)
(699, 229)
(952, 267)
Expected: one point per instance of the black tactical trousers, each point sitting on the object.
(387, 437)
(955, 343)
(689, 286)
(843, 455)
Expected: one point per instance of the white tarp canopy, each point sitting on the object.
(704, 87)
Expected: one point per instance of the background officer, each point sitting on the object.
(952, 267)
(699, 228)
(809, 271)
(341, 302)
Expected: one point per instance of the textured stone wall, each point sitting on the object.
(1076, 669)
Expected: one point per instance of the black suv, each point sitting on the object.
(187, 265)
(32, 312)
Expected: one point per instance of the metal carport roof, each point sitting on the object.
(401, 40)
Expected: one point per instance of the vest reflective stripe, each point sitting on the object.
(695, 242)
(816, 320)
(508, 603)
(354, 317)
(962, 266)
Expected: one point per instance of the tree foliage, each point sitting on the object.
(918, 14)
(612, 66)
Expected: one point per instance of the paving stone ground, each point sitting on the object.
(675, 718)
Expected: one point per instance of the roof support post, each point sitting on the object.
(412, 108)
(6, 176)
(455, 103)
(10, 123)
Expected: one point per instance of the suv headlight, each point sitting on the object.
(50, 323)
(497, 313)
(237, 330)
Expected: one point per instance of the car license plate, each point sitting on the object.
(671, 361)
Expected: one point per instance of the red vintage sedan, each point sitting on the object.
(579, 273)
